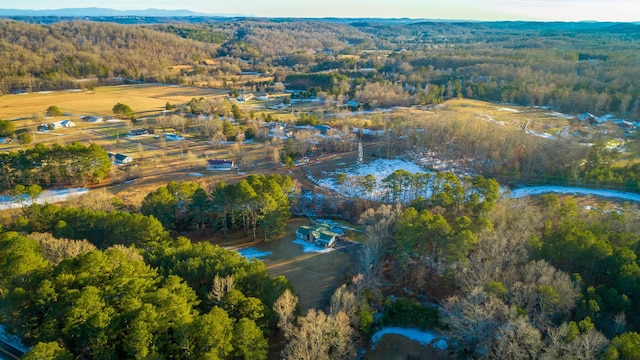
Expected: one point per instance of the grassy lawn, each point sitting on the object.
(315, 276)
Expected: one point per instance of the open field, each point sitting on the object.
(314, 275)
(539, 119)
(146, 99)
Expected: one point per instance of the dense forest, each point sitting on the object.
(576, 67)
(87, 283)
(37, 57)
(55, 165)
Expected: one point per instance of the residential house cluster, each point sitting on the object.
(600, 120)
(64, 124)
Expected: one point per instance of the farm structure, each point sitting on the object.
(319, 235)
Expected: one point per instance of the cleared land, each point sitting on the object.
(314, 275)
(144, 99)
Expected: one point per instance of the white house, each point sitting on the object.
(67, 124)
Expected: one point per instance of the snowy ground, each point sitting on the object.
(537, 190)
(309, 247)
(423, 337)
(48, 196)
(380, 168)
(253, 253)
(539, 134)
(561, 115)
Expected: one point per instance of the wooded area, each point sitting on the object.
(546, 277)
(573, 67)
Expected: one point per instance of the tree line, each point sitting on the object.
(55, 165)
(50, 57)
(258, 205)
(575, 68)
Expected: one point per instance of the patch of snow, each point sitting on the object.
(538, 190)
(115, 121)
(48, 196)
(539, 134)
(309, 247)
(173, 137)
(423, 337)
(561, 115)
(253, 253)
(509, 110)
(381, 168)
(45, 92)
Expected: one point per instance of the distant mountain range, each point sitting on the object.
(96, 12)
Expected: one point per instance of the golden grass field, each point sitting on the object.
(538, 119)
(143, 99)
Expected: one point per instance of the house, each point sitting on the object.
(94, 119)
(626, 124)
(586, 117)
(322, 128)
(224, 165)
(246, 97)
(320, 235)
(119, 159)
(57, 125)
(173, 137)
(138, 132)
(67, 124)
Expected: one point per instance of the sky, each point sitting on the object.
(538, 10)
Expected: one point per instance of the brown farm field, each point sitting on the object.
(142, 98)
(539, 119)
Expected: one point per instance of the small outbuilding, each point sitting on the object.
(219, 165)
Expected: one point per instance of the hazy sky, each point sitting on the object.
(564, 10)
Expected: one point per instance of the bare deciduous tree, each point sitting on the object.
(344, 300)
(378, 226)
(56, 250)
(319, 336)
(220, 287)
(285, 306)
(99, 199)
